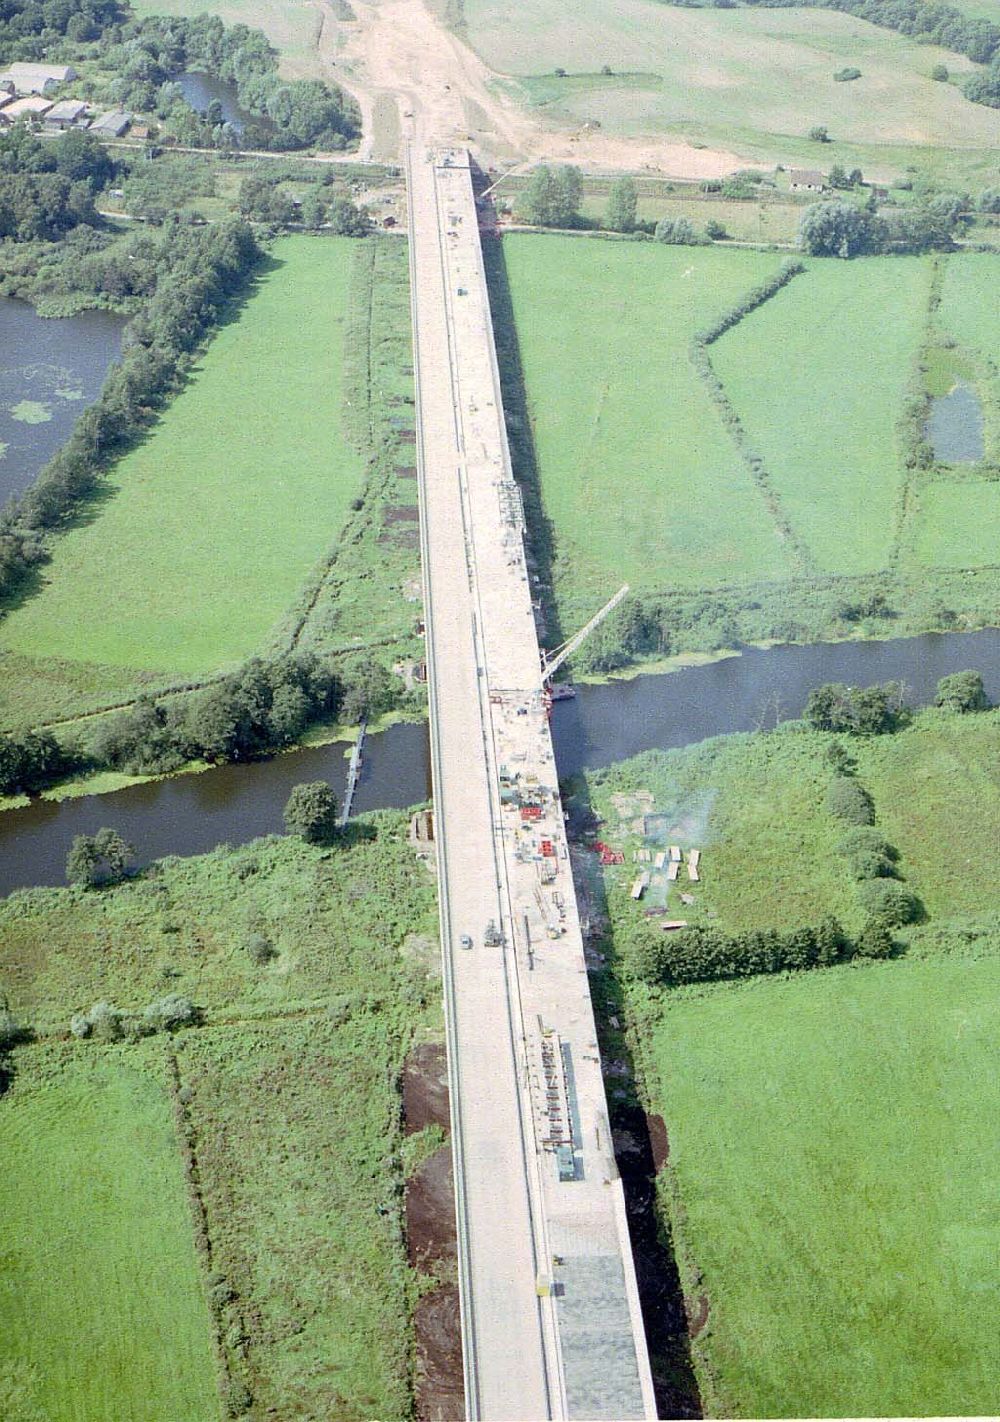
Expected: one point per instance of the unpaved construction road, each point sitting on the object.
(408, 72)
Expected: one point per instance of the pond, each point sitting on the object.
(51, 370)
(190, 814)
(955, 426)
(201, 90)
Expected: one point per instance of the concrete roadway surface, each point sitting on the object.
(551, 1326)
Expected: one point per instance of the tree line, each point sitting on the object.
(835, 228)
(702, 954)
(259, 709)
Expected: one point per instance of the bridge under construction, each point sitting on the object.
(551, 1323)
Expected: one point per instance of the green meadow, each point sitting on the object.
(637, 475)
(790, 499)
(102, 1310)
(818, 376)
(751, 81)
(831, 1147)
(830, 1182)
(215, 520)
(315, 969)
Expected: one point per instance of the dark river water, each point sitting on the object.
(190, 814)
(200, 90)
(51, 370)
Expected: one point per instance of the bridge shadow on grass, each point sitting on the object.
(640, 1139)
(541, 537)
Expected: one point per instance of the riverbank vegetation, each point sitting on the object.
(756, 469)
(271, 1130)
(848, 1094)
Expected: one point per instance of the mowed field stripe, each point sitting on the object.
(102, 1312)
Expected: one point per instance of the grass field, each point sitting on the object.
(756, 804)
(290, 1094)
(830, 1146)
(216, 520)
(235, 529)
(753, 80)
(102, 1312)
(638, 477)
(818, 376)
(832, 1159)
(641, 476)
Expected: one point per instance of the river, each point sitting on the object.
(51, 370)
(189, 814)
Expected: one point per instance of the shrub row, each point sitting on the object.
(755, 297)
(703, 954)
(106, 1023)
(698, 354)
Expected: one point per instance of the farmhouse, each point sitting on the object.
(805, 180)
(112, 124)
(37, 78)
(67, 113)
(33, 106)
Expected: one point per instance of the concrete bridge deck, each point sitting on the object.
(550, 1311)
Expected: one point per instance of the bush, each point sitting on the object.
(962, 692)
(102, 858)
(860, 711)
(819, 133)
(678, 232)
(849, 801)
(868, 853)
(259, 948)
(168, 1013)
(843, 76)
(889, 902)
(715, 230)
(940, 73)
(106, 1023)
(311, 811)
(874, 941)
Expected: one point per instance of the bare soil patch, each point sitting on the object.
(440, 1390)
(425, 1088)
(659, 1141)
(697, 1314)
(431, 1233)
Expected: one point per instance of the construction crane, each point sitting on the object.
(552, 661)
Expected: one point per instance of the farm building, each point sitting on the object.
(806, 180)
(112, 124)
(34, 106)
(37, 78)
(67, 113)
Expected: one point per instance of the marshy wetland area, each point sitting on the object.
(743, 268)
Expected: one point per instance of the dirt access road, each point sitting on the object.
(410, 74)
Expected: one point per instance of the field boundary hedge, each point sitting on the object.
(751, 457)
